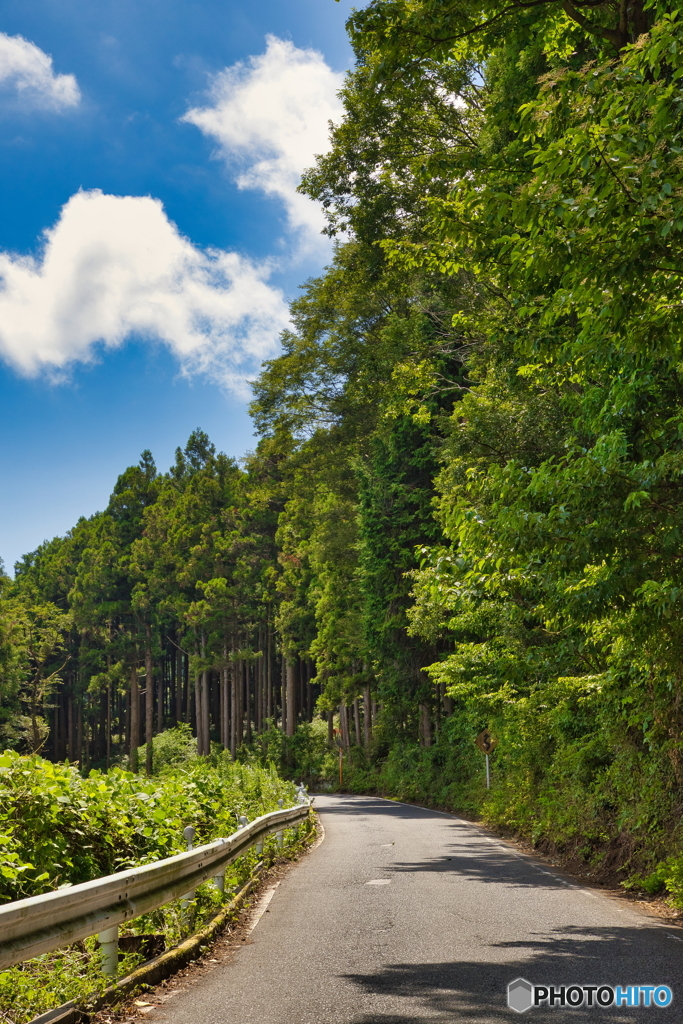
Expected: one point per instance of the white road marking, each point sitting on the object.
(379, 881)
(261, 907)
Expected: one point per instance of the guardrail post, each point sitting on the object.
(279, 835)
(259, 849)
(188, 833)
(109, 941)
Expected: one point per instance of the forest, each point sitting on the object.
(464, 505)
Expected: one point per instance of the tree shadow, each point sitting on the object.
(472, 856)
(357, 806)
(476, 991)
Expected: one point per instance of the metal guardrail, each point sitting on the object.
(41, 923)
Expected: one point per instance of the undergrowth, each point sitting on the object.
(58, 828)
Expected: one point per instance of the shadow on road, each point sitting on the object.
(476, 991)
(472, 856)
(358, 806)
(479, 864)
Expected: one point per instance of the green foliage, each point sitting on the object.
(53, 979)
(172, 748)
(60, 828)
(667, 878)
(304, 757)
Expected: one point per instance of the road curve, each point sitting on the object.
(404, 914)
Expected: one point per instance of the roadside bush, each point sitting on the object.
(304, 757)
(58, 828)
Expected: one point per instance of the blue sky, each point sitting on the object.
(159, 151)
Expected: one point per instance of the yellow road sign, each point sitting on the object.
(485, 741)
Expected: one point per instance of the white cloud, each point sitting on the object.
(28, 71)
(270, 117)
(116, 266)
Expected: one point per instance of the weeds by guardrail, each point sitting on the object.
(39, 924)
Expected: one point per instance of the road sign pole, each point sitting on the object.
(486, 743)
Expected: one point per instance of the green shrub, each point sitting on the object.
(666, 878)
(58, 828)
(171, 748)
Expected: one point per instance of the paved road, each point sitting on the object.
(458, 916)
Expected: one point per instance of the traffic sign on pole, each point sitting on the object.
(486, 743)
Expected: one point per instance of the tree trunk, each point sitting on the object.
(205, 718)
(149, 700)
(79, 734)
(437, 711)
(108, 727)
(425, 726)
(263, 675)
(126, 726)
(173, 685)
(291, 675)
(233, 708)
(86, 736)
(198, 713)
(248, 694)
(367, 716)
(258, 689)
(240, 702)
(356, 721)
(161, 696)
(57, 727)
(134, 718)
(178, 686)
(70, 728)
(309, 685)
(269, 677)
(225, 735)
(300, 691)
(344, 726)
(187, 688)
(283, 693)
(330, 728)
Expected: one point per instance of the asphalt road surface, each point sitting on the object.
(404, 914)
